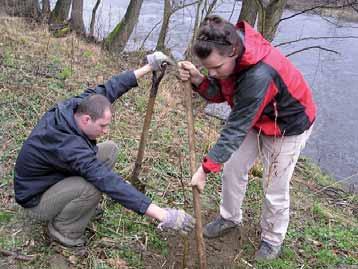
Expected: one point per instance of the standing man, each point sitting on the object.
(272, 117)
(61, 172)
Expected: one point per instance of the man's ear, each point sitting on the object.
(85, 119)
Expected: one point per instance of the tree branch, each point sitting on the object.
(232, 11)
(150, 32)
(211, 7)
(317, 7)
(175, 9)
(334, 23)
(314, 38)
(313, 47)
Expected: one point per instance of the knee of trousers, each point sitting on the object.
(110, 152)
(113, 146)
(277, 205)
(88, 191)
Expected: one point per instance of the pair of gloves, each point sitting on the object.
(157, 59)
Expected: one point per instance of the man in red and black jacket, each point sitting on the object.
(271, 118)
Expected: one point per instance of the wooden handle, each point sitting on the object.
(200, 244)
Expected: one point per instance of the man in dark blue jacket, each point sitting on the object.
(61, 172)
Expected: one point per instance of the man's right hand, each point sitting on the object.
(188, 71)
(178, 220)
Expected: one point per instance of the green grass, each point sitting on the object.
(5, 217)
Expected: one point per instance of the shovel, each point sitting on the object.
(156, 79)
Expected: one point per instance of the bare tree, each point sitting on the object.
(33, 9)
(170, 7)
(77, 17)
(164, 29)
(206, 8)
(46, 9)
(195, 30)
(30, 8)
(93, 19)
(60, 12)
(269, 16)
(118, 38)
(248, 12)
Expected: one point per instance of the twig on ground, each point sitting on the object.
(17, 256)
(247, 263)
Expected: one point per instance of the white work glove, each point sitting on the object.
(156, 59)
(177, 220)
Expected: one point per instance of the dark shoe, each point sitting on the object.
(68, 242)
(219, 227)
(267, 252)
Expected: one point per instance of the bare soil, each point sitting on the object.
(223, 252)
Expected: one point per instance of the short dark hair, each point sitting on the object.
(94, 105)
(217, 33)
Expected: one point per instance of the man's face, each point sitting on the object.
(96, 128)
(219, 66)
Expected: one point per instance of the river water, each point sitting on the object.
(333, 78)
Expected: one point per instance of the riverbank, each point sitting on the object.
(38, 70)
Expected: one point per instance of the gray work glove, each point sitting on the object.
(177, 220)
(156, 59)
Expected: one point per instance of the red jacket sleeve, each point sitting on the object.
(210, 89)
(210, 166)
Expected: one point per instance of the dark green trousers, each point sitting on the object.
(71, 203)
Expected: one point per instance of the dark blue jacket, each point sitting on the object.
(56, 149)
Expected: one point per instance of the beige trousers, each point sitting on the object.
(279, 156)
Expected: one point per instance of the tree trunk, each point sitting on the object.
(46, 8)
(77, 17)
(188, 52)
(29, 8)
(165, 24)
(269, 16)
(273, 15)
(93, 19)
(118, 38)
(248, 12)
(197, 21)
(34, 10)
(60, 12)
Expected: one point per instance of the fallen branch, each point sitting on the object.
(16, 255)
